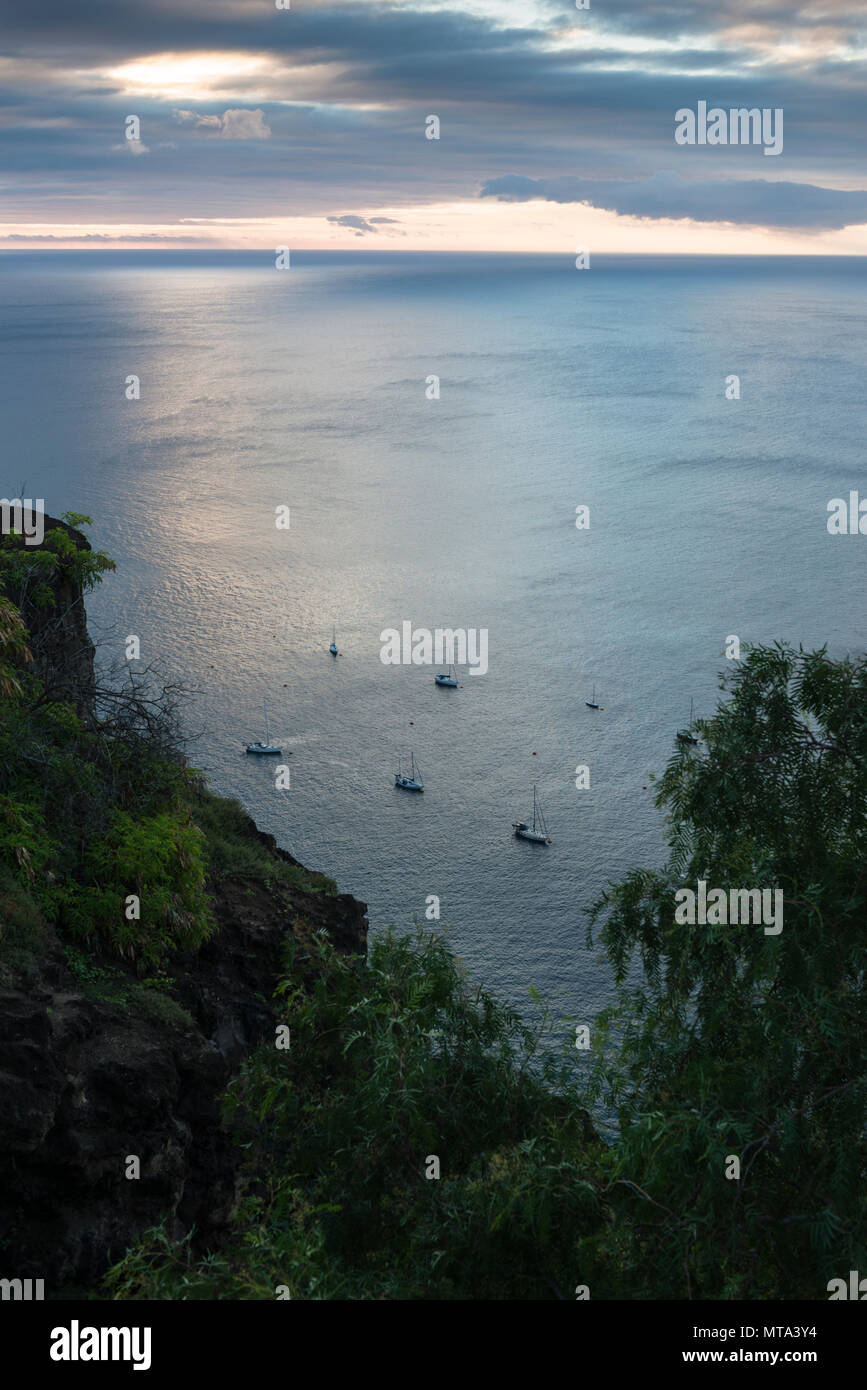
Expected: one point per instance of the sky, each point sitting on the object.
(307, 126)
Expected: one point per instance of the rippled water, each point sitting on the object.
(307, 388)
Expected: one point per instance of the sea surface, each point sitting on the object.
(307, 388)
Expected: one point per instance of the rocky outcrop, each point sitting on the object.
(85, 1083)
(61, 647)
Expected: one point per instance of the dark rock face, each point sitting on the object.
(84, 1083)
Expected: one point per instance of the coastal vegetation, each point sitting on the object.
(724, 1042)
(95, 796)
(733, 1041)
(406, 1135)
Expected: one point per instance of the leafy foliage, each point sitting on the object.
(235, 849)
(89, 817)
(22, 927)
(737, 1042)
(391, 1062)
(30, 574)
(96, 804)
(13, 648)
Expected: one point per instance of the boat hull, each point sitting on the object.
(535, 837)
(446, 680)
(264, 749)
(406, 784)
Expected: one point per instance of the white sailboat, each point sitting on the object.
(538, 831)
(591, 704)
(267, 746)
(684, 735)
(412, 783)
(450, 678)
(333, 647)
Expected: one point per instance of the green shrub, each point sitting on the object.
(96, 979)
(232, 851)
(741, 1043)
(92, 815)
(34, 571)
(160, 860)
(159, 1007)
(22, 927)
(390, 1062)
(235, 852)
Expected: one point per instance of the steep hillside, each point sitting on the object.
(118, 1038)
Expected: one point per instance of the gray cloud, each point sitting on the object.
(350, 220)
(750, 202)
(360, 224)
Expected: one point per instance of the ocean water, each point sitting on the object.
(558, 388)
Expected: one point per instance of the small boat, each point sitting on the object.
(333, 647)
(450, 678)
(591, 704)
(413, 783)
(267, 746)
(684, 736)
(538, 831)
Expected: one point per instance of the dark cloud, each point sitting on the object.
(361, 224)
(351, 220)
(108, 31)
(751, 202)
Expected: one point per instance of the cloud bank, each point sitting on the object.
(750, 202)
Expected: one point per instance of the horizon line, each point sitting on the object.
(399, 253)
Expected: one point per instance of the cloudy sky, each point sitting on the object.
(306, 126)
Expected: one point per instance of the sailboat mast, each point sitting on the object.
(267, 732)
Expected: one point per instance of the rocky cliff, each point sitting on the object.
(92, 1073)
(60, 644)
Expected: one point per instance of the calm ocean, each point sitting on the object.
(307, 388)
